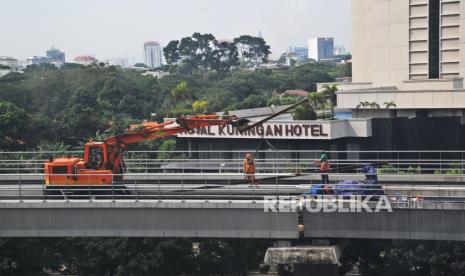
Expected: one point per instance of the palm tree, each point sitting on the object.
(389, 104)
(374, 105)
(330, 93)
(317, 100)
(363, 105)
(393, 113)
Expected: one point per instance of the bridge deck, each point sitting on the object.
(145, 219)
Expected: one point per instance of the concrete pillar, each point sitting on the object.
(318, 260)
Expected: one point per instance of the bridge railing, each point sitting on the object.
(225, 186)
(268, 161)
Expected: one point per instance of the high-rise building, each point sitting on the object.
(300, 52)
(320, 48)
(424, 40)
(152, 54)
(55, 56)
(409, 54)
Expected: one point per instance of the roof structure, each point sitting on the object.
(153, 42)
(84, 58)
(302, 93)
(256, 112)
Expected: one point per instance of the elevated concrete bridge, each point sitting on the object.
(145, 219)
(220, 204)
(225, 219)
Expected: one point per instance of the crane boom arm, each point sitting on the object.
(153, 130)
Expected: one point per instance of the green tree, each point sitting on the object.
(82, 118)
(14, 124)
(363, 106)
(283, 100)
(330, 93)
(254, 100)
(304, 112)
(181, 91)
(389, 104)
(196, 51)
(343, 70)
(200, 106)
(317, 101)
(140, 64)
(171, 52)
(111, 94)
(224, 57)
(308, 75)
(201, 52)
(124, 256)
(410, 258)
(234, 257)
(24, 256)
(252, 50)
(374, 105)
(49, 95)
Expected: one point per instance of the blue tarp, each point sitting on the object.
(347, 188)
(351, 187)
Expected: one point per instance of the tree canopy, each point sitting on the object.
(202, 52)
(50, 105)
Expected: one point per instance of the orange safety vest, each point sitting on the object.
(325, 166)
(249, 166)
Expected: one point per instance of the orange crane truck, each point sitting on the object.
(103, 163)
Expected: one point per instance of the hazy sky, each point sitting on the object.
(118, 28)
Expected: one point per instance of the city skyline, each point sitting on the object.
(119, 28)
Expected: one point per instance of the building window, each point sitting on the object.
(433, 41)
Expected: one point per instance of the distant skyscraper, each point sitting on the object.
(55, 56)
(320, 48)
(300, 52)
(152, 54)
(260, 34)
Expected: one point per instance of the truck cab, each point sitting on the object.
(72, 171)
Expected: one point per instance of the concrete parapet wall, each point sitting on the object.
(416, 224)
(154, 219)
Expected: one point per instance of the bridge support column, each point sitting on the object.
(318, 260)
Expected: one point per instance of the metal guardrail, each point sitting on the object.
(268, 161)
(206, 187)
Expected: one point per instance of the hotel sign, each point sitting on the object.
(304, 130)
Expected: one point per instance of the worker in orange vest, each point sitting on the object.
(325, 166)
(249, 169)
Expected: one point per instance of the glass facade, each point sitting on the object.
(433, 33)
(325, 48)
